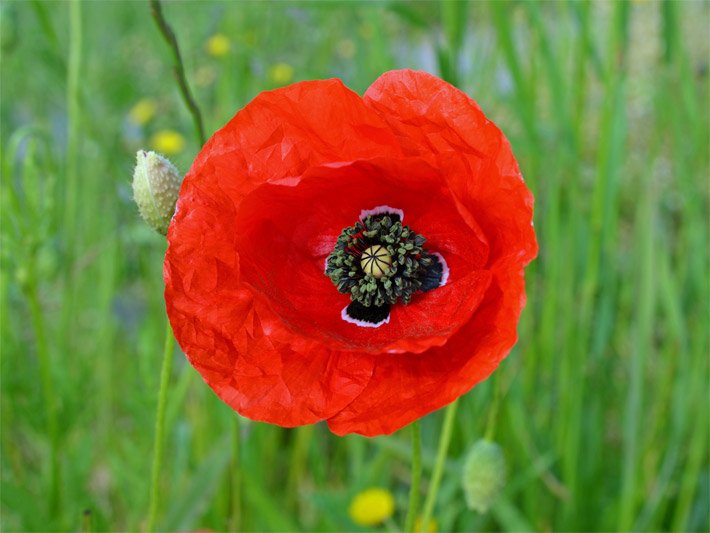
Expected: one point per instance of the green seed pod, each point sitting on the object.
(484, 474)
(156, 184)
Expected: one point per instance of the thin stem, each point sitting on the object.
(414, 490)
(86, 521)
(158, 447)
(178, 68)
(299, 458)
(71, 204)
(50, 403)
(235, 480)
(439, 465)
(72, 207)
(493, 413)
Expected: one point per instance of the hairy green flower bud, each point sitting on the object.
(156, 184)
(484, 474)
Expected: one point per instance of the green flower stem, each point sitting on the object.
(414, 490)
(439, 465)
(49, 396)
(158, 447)
(493, 413)
(235, 478)
(71, 205)
(298, 463)
(178, 69)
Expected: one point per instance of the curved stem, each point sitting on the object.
(178, 68)
(160, 426)
(439, 465)
(416, 477)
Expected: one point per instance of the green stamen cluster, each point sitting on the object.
(403, 277)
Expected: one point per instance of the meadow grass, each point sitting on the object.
(603, 404)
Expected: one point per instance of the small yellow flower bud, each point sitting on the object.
(433, 526)
(371, 507)
(156, 184)
(484, 474)
(143, 112)
(281, 73)
(218, 45)
(168, 142)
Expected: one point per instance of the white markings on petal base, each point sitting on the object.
(381, 209)
(362, 323)
(444, 269)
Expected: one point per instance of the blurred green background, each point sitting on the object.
(604, 401)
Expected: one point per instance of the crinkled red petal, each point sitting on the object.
(228, 331)
(275, 187)
(404, 388)
(285, 231)
(431, 118)
(435, 120)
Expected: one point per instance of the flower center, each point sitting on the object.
(376, 261)
(379, 262)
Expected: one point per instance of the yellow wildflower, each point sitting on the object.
(218, 45)
(168, 142)
(371, 507)
(143, 112)
(281, 73)
(433, 526)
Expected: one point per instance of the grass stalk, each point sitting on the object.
(158, 446)
(415, 488)
(48, 392)
(642, 349)
(297, 464)
(444, 441)
(74, 122)
(235, 477)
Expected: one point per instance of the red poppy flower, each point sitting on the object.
(351, 259)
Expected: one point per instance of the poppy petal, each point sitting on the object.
(261, 209)
(431, 118)
(283, 132)
(404, 388)
(265, 377)
(290, 268)
(273, 137)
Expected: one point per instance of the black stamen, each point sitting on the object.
(379, 262)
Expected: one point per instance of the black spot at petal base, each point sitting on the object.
(431, 279)
(373, 314)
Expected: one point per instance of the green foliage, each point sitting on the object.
(603, 411)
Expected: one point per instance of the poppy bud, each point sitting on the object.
(156, 184)
(484, 474)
